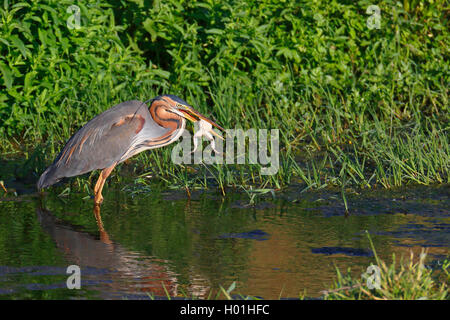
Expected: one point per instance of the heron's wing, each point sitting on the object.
(102, 142)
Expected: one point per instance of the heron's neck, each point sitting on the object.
(164, 118)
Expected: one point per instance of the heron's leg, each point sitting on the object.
(104, 237)
(98, 198)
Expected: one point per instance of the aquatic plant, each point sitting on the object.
(406, 280)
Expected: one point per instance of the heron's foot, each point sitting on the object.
(98, 199)
(3, 186)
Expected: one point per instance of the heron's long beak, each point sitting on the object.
(194, 116)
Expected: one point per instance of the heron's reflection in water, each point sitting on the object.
(107, 267)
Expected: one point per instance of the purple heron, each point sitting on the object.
(118, 134)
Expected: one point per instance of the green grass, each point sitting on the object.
(408, 280)
(356, 108)
(404, 280)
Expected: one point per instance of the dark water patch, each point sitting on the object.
(416, 244)
(245, 297)
(415, 200)
(51, 286)
(329, 211)
(254, 235)
(119, 295)
(263, 206)
(5, 291)
(174, 196)
(343, 250)
(242, 204)
(380, 206)
(185, 195)
(429, 234)
(438, 262)
(439, 256)
(63, 285)
(122, 296)
(48, 271)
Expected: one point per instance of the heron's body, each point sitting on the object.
(116, 135)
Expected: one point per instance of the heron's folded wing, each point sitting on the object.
(100, 146)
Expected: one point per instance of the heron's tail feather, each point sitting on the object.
(48, 178)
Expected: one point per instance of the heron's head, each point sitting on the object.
(167, 107)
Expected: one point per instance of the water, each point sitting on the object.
(160, 242)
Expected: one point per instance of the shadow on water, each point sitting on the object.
(163, 243)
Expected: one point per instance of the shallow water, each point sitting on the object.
(161, 242)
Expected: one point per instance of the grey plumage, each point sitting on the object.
(101, 142)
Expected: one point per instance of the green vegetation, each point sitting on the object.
(408, 280)
(356, 107)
